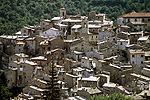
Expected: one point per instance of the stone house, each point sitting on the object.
(103, 79)
(79, 30)
(11, 76)
(71, 80)
(87, 62)
(69, 64)
(124, 28)
(109, 88)
(38, 40)
(146, 72)
(147, 55)
(78, 71)
(144, 41)
(51, 44)
(93, 38)
(19, 48)
(69, 43)
(137, 26)
(25, 72)
(122, 44)
(123, 35)
(134, 18)
(40, 60)
(20, 57)
(45, 24)
(95, 54)
(9, 44)
(50, 33)
(105, 34)
(88, 82)
(134, 36)
(30, 46)
(84, 46)
(108, 48)
(137, 57)
(56, 55)
(88, 92)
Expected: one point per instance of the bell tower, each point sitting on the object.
(62, 12)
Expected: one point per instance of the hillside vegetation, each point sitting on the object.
(14, 14)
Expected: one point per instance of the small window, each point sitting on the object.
(128, 20)
(142, 19)
(141, 62)
(133, 55)
(19, 49)
(135, 20)
(92, 37)
(49, 48)
(96, 36)
(121, 43)
(132, 62)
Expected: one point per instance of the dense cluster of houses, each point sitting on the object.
(90, 55)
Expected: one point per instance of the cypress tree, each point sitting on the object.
(53, 85)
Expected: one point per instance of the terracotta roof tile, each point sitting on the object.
(134, 14)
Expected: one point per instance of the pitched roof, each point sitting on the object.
(134, 14)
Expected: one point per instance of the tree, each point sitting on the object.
(115, 96)
(53, 86)
(4, 91)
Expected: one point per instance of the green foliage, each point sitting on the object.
(14, 14)
(4, 91)
(115, 96)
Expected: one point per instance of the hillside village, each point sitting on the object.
(90, 54)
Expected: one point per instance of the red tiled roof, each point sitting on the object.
(134, 14)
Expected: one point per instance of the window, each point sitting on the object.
(19, 49)
(148, 19)
(21, 68)
(141, 62)
(96, 36)
(132, 62)
(133, 55)
(142, 55)
(121, 43)
(142, 19)
(135, 20)
(128, 20)
(92, 37)
(48, 48)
